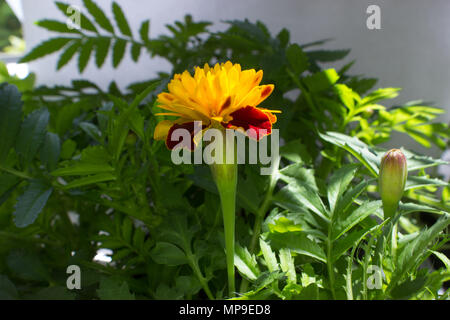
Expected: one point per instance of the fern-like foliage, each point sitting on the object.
(95, 36)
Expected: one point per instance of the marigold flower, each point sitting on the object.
(223, 96)
(392, 180)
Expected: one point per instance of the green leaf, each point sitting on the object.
(101, 177)
(31, 203)
(414, 251)
(328, 55)
(121, 21)
(32, 134)
(168, 254)
(85, 53)
(57, 26)
(297, 58)
(68, 54)
(50, 151)
(287, 265)
(144, 31)
(296, 152)
(99, 16)
(297, 242)
(408, 288)
(8, 290)
(343, 224)
(82, 169)
(92, 130)
(380, 94)
(27, 265)
(339, 182)
(347, 96)
(114, 289)
(102, 45)
(118, 52)
(321, 80)
(45, 48)
(246, 263)
(10, 118)
(68, 11)
(135, 51)
(415, 182)
(269, 256)
(356, 147)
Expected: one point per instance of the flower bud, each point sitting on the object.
(392, 180)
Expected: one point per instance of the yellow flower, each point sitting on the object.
(224, 95)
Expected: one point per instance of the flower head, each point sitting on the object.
(223, 96)
(392, 180)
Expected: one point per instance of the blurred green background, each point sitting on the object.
(10, 30)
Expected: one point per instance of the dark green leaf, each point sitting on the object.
(10, 118)
(57, 26)
(102, 45)
(85, 54)
(51, 150)
(121, 21)
(99, 16)
(68, 54)
(32, 134)
(31, 203)
(168, 254)
(118, 51)
(45, 48)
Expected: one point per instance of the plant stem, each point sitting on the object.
(194, 265)
(225, 177)
(330, 265)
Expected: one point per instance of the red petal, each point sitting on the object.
(251, 118)
(180, 142)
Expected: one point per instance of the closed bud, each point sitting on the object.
(392, 180)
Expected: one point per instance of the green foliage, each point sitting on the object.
(80, 171)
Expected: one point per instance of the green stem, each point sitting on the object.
(194, 265)
(225, 177)
(330, 265)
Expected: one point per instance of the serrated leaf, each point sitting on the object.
(339, 182)
(321, 80)
(32, 134)
(101, 177)
(297, 58)
(168, 254)
(297, 242)
(50, 151)
(246, 263)
(45, 48)
(99, 16)
(287, 265)
(114, 289)
(343, 224)
(413, 252)
(31, 203)
(68, 54)
(269, 256)
(91, 130)
(102, 45)
(10, 117)
(118, 51)
(121, 21)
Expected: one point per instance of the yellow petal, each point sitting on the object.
(162, 129)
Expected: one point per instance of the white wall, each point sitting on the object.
(411, 50)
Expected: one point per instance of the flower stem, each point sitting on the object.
(225, 177)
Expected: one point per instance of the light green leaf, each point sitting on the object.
(246, 263)
(321, 80)
(287, 265)
(269, 256)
